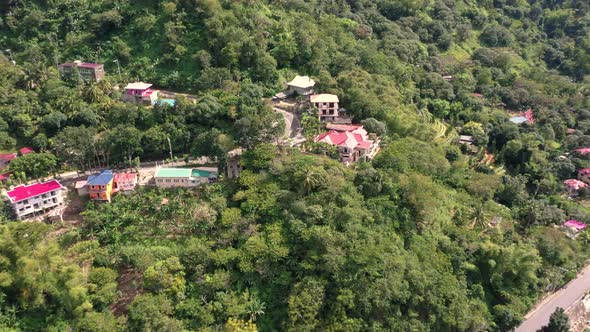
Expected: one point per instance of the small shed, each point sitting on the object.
(81, 187)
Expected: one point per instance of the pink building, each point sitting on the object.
(140, 93)
(573, 185)
(584, 174)
(327, 106)
(352, 141)
(125, 182)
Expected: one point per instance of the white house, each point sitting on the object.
(327, 106)
(27, 201)
(182, 177)
(302, 85)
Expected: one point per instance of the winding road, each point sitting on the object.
(564, 298)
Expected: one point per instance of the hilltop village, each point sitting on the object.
(294, 165)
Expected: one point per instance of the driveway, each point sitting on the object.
(292, 123)
(564, 298)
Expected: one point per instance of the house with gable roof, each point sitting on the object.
(301, 85)
(352, 142)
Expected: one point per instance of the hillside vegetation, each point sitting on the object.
(429, 236)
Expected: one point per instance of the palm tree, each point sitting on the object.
(255, 308)
(479, 218)
(312, 178)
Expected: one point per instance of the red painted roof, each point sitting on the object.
(574, 184)
(584, 171)
(26, 150)
(125, 177)
(22, 192)
(7, 156)
(5, 176)
(365, 145)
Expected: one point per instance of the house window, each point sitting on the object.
(331, 112)
(26, 201)
(176, 180)
(55, 200)
(168, 180)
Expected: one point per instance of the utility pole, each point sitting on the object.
(118, 68)
(170, 147)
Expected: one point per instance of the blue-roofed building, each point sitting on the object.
(100, 186)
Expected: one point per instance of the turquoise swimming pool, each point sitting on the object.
(167, 101)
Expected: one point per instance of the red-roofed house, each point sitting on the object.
(30, 200)
(584, 175)
(88, 71)
(573, 185)
(5, 158)
(327, 106)
(352, 141)
(125, 182)
(25, 150)
(140, 93)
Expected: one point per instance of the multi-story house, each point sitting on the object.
(125, 182)
(88, 71)
(326, 105)
(352, 142)
(183, 177)
(100, 186)
(140, 93)
(32, 200)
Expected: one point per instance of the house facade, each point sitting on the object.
(28, 201)
(301, 85)
(100, 186)
(234, 167)
(90, 72)
(326, 105)
(584, 175)
(140, 93)
(352, 142)
(6, 158)
(125, 182)
(182, 177)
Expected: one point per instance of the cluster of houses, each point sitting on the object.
(352, 141)
(136, 92)
(6, 158)
(39, 199)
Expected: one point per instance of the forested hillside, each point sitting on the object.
(429, 236)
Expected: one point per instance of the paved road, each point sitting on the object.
(564, 298)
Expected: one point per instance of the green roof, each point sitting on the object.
(181, 173)
(200, 173)
(173, 173)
